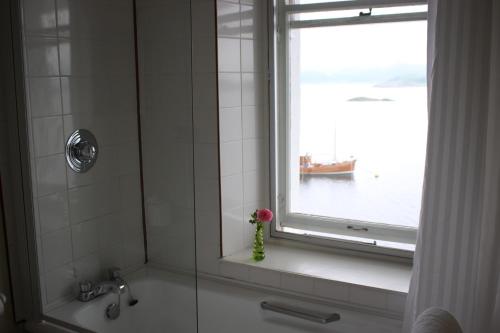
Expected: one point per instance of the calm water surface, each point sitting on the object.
(388, 140)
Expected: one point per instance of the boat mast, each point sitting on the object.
(335, 136)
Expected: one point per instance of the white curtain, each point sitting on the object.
(457, 260)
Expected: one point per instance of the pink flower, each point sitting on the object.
(264, 215)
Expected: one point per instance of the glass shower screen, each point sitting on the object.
(116, 242)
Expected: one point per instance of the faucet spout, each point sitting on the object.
(106, 287)
(89, 291)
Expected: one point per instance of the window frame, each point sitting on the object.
(345, 233)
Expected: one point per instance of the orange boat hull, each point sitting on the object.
(329, 169)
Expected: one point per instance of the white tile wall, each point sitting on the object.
(368, 297)
(229, 90)
(228, 19)
(51, 174)
(56, 249)
(59, 282)
(265, 277)
(45, 96)
(331, 289)
(255, 122)
(396, 302)
(231, 192)
(84, 238)
(80, 73)
(83, 95)
(232, 228)
(230, 124)
(53, 212)
(42, 58)
(297, 283)
(88, 267)
(40, 17)
(231, 158)
(48, 135)
(88, 202)
(288, 269)
(244, 160)
(383, 301)
(234, 271)
(243, 111)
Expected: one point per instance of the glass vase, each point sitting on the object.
(258, 244)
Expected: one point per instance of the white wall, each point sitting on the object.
(243, 117)
(79, 67)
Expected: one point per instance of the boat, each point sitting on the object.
(336, 168)
(346, 167)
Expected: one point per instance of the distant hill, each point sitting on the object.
(402, 82)
(369, 99)
(394, 76)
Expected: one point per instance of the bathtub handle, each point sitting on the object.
(289, 310)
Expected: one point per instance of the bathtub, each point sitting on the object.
(167, 301)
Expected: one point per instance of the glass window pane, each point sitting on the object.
(327, 14)
(358, 121)
(355, 12)
(302, 2)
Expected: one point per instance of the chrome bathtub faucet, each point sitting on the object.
(89, 291)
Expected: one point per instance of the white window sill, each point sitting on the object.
(372, 283)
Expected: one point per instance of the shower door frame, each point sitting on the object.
(23, 262)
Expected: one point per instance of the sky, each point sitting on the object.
(334, 49)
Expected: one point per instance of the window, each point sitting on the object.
(351, 120)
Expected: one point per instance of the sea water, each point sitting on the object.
(385, 129)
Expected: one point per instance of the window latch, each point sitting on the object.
(366, 14)
(353, 228)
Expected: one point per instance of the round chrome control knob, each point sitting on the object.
(81, 150)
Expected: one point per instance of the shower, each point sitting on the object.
(106, 102)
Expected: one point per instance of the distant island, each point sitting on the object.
(369, 99)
